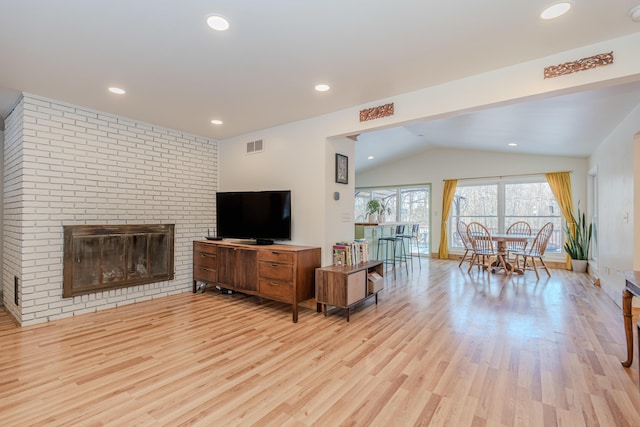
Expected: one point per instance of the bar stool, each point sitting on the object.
(414, 237)
(398, 254)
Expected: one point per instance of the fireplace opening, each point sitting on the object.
(104, 257)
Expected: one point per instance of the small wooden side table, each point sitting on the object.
(345, 286)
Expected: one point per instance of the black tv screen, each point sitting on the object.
(260, 215)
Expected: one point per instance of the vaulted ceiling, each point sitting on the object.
(181, 74)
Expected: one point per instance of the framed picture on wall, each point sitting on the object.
(342, 169)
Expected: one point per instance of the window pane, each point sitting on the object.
(414, 208)
(361, 200)
(388, 198)
(532, 202)
(402, 204)
(535, 204)
(474, 203)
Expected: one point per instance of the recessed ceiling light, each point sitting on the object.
(322, 88)
(117, 90)
(370, 158)
(555, 10)
(218, 23)
(216, 122)
(512, 144)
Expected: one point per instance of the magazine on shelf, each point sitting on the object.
(373, 276)
(375, 282)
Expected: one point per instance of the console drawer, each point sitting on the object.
(204, 247)
(277, 290)
(205, 260)
(205, 275)
(276, 256)
(272, 270)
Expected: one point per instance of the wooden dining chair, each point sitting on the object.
(535, 252)
(461, 228)
(518, 227)
(484, 252)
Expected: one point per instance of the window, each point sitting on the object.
(499, 205)
(403, 204)
(477, 203)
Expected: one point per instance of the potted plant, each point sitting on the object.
(578, 242)
(384, 210)
(373, 208)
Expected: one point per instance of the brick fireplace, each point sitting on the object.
(66, 165)
(104, 257)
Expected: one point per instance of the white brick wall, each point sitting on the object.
(85, 167)
(12, 209)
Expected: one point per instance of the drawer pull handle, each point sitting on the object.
(274, 265)
(275, 283)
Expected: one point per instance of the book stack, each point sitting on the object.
(351, 253)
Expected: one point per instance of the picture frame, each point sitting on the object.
(342, 169)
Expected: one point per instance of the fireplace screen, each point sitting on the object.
(102, 257)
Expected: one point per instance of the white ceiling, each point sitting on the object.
(569, 125)
(180, 74)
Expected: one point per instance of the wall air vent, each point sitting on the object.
(255, 146)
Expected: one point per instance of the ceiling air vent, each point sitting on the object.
(255, 147)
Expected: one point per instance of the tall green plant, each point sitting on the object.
(579, 235)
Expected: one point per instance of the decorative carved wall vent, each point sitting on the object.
(376, 112)
(104, 257)
(579, 65)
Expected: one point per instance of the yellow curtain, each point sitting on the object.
(560, 183)
(447, 199)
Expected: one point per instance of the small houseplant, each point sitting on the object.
(373, 209)
(578, 242)
(376, 210)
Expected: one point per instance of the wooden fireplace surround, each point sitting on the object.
(104, 257)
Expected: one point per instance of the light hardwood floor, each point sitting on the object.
(441, 348)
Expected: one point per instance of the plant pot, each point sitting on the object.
(579, 265)
(373, 218)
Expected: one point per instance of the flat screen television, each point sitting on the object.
(263, 216)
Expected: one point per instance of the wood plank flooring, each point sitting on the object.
(442, 347)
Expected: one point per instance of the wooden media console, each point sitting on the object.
(278, 272)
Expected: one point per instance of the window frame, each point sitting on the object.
(501, 183)
(426, 229)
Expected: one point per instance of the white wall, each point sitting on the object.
(68, 165)
(294, 158)
(614, 161)
(297, 158)
(435, 165)
(1, 207)
(339, 213)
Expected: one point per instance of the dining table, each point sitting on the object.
(502, 239)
